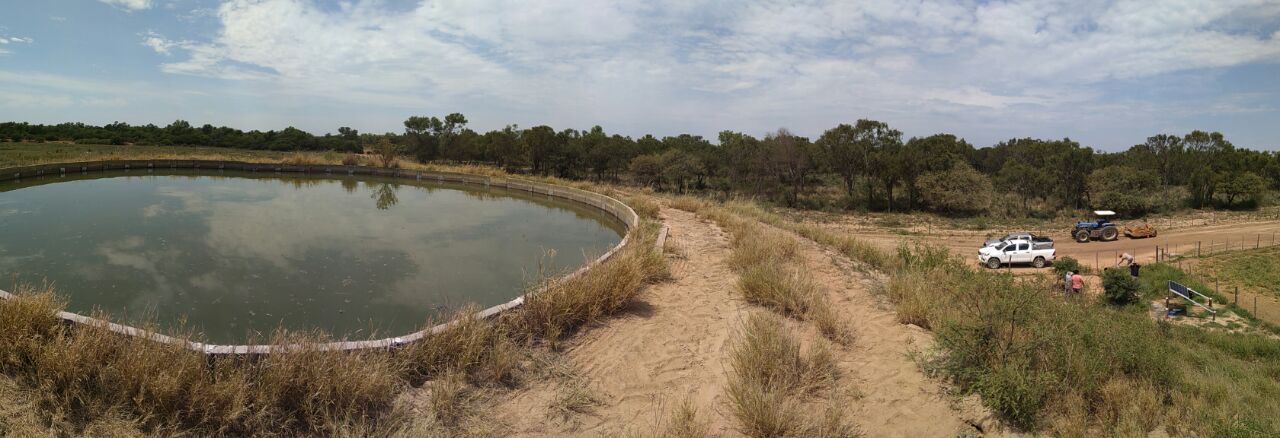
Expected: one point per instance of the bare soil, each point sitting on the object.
(671, 348)
(1183, 240)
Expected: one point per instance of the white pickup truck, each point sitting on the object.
(1037, 252)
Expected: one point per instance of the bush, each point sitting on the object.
(1124, 189)
(1066, 264)
(958, 190)
(1119, 287)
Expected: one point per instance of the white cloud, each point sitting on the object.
(130, 5)
(704, 65)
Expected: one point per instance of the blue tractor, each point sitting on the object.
(1097, 229)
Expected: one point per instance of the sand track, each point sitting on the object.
(898, 400)
(670, 347)
(673, 346)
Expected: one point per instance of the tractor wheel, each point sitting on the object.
(1110, 233)
(1082, 236)
(1153, 233)
(1038, 262)
(993, 263)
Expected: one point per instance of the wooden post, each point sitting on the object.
(1237, 301)
(1197, 248)
(1096, 266)
(1258, 244)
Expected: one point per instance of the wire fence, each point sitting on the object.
(1187, 256)
(1153, 250)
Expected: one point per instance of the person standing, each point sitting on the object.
(1077, 283)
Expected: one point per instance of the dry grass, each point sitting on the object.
(771, 269)
(566, 305)
(771, 379)
(684, 423)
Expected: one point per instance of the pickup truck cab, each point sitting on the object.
(1036, 252)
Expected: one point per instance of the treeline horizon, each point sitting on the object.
(865, 165)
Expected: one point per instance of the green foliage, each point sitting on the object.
(1065, 264)
(865, 165)
(1119, 287)
(959, 189)
(387, 151)
(1124, 189)
(1240, 186)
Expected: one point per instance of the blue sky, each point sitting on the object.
(1105, 73)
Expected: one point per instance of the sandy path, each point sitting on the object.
(671, 347)
(898, 400)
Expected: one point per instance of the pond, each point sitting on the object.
(235, 255)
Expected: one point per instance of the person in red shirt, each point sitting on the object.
(1077, 283)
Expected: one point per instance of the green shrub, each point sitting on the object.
(1065, 264)
(1119, 287)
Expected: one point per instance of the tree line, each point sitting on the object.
(863, 165)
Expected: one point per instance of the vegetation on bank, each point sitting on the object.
(866, 165)
(77, 380)
(1256, 269)
(1073, 367)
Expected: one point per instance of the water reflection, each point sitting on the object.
(240, 252)
(384, 195)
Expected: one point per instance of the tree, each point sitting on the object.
(647, 170)
(840, 154)
(934, 153)
(417, 130)
(387, 152)
(1124, 189)
(956, 190)
(1023, 179)
(679, 168)
(1241, 185)
(847, 150)
(540, 143)
(790, 160)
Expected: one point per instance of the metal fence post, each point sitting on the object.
(1197, 248)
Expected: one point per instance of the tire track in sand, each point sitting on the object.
(897, 399)
(671, 346)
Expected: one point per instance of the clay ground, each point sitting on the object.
(672, 348)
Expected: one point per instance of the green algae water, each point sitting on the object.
(235, 255)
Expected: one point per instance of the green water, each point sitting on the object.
(236, 255)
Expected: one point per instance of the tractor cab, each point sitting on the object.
(1100, 228)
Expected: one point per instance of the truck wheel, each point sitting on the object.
(1038, 262)
(1109, 234)
(1082, 236)
(1153, 233)
(993, 263)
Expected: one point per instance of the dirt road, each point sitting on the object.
(1213, 238)
(673, 348)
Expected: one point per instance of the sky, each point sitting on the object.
(1105, 73)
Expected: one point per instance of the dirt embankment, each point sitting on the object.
(673, 348)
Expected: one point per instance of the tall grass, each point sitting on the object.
(1066, 367)
(80, 379)
(770, 378)
(1078, 367)
(771, 269)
